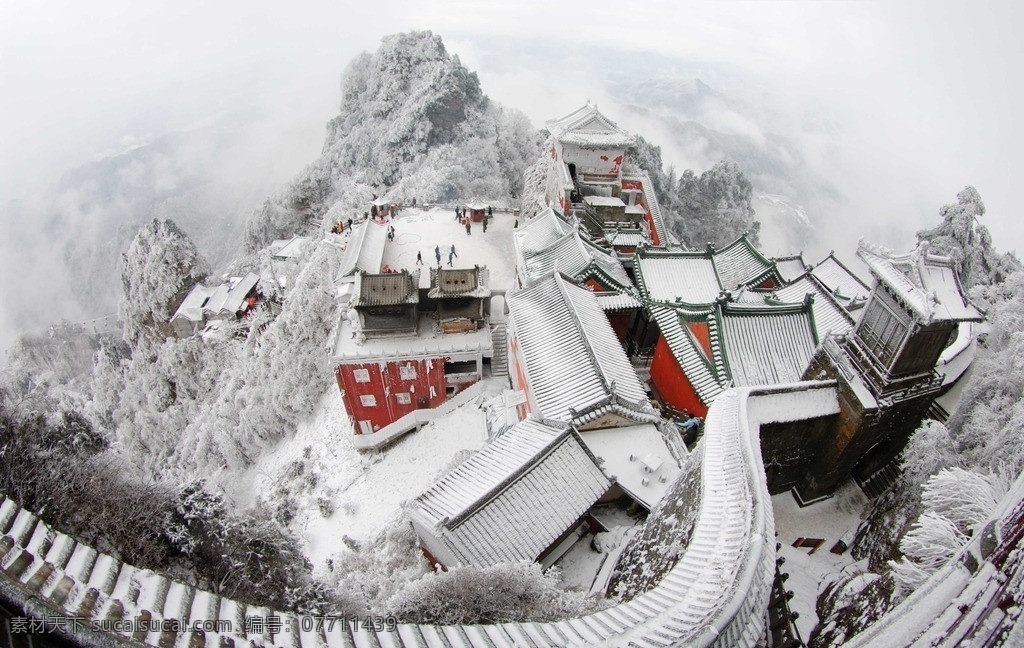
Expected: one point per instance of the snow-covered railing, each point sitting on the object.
(414, 419)
(716, 594)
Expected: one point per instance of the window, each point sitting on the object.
(407, 372)
(368, 400)
(361, 375)
(403, 398)
(882, 330)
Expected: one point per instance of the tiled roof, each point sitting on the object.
(514, 498)
(762, 346)
(617, 301)
(290, 249)
(926, 283)
(829, 315)
(790, 268)
(698, 368)
(365, 250)
(625, 238)
(427, 342)
(587, 127)
(840, 280)
(740, 263)
(571, 255)
(670, 276)
(539, 233)
(459, 282)
(388, 289)
(575, 366)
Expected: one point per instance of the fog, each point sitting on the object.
(869, 116)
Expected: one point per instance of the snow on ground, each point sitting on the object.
(328, 490)
(808, 574)
(581, 564)
(417, 230)
(375, 499)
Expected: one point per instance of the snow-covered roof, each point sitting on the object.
(476, 205)
(230, 298)
(539, 232)
(625, 238)
(829, 315)
(838, 278)
(790, 268)
(294, 248)
(203, 302)
(389, 289)
(617, 301)
(762, 345)
(428, 342)
(637, 458)
(587, 127)
(459, 282)
(925, 283)
(575, 367)
(604, 201)
(686, 349)
(571, 255)
(365, 250)
(676, 277)
(740, 264)
(514, 498)
(191, 308)
(672, 276)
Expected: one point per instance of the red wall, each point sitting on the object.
(385, 382)
(700, 331)
(672, 384)
(620, 323)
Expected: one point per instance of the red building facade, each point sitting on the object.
(377, 393)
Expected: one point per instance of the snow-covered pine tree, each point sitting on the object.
(961, 236)
(159, 268)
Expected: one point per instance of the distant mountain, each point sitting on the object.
(413, 122)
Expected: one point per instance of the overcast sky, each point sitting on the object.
(924, 91)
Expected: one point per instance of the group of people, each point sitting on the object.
(452, 255)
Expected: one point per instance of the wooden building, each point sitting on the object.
(460, 298)
(886, 368)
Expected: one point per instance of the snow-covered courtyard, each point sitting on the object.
(809, 573)
(418, 230)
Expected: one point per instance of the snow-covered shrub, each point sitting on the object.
(498, 594)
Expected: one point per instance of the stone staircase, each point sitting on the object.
(499, 342)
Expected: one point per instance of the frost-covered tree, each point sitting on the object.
(961, 236)
(929, 545)
(159, 268)
(713, 207)
(716, 206)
